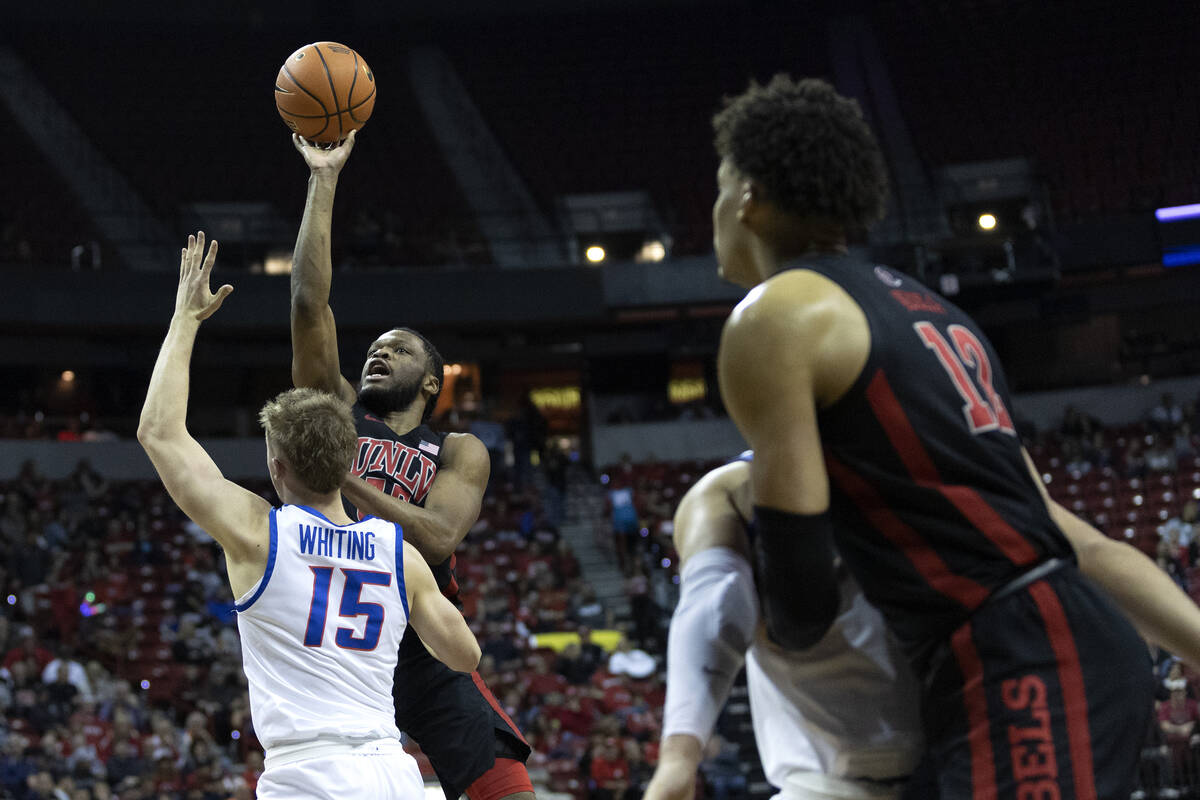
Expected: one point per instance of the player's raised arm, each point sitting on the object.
(451, 507)
(233, 516)
(314, 333)
(440, 625)
(1161, 612)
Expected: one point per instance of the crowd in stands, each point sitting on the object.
(121, 672)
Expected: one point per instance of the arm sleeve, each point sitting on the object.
(711, 629)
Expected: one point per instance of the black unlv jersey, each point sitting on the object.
(403, 467)
(933, 505)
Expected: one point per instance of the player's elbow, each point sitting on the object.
(795, 558)
(471, 656)
(464, 654)
(307, 304)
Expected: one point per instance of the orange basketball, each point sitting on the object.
(324, 91)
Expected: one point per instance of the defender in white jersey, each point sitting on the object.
(322, 601)
(838, 720)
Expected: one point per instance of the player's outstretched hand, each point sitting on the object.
(193, 299)
(325, 159)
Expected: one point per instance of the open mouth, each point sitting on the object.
(377, 368)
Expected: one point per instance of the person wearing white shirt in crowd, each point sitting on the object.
(76, 675)
(631, 661)
(1180, 531)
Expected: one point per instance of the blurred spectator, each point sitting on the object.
(1078, 425)
(1160, 457)
(572, 667)
(1177, 536)
(1133, 463)
(28, 649)
(623, 516)
(527, 432)
(722, 769)
(554, 464)
(591, 655)
(631, 661)
(588, 610)
(1165, 416)
(609, 772)
(76, 674)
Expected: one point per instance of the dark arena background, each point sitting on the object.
(533, 193)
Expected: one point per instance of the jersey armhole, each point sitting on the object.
(859, 384)
(246, 600)
(400, 569)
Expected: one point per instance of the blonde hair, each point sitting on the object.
(314, 433)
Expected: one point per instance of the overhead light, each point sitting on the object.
(68, 376)
(594, 254)
(987, 222)
(653, 250)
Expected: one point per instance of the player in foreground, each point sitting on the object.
(322, 601)
(878, 415)
(429, 483)
(838, 720)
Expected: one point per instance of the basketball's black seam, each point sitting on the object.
(306, 91)
(332, 90)
(353, 82)
(360, 104)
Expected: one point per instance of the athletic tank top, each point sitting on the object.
(932, 503)
(321, 629)
(402, 466)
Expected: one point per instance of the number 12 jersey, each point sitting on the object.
(933, 505)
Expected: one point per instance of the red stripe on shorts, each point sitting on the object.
(924, 472)
(979, 729)
(495, 704)
(924, 558)
(1070, 678)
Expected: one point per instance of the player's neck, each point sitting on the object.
(329, 503)
(405, 420)
(802, 239)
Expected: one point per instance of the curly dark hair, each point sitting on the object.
(809, 147)
(435, 365)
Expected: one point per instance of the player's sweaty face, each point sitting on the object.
(394, 360)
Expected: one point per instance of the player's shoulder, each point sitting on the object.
(463, 449)
(799, 302)
(712, 511)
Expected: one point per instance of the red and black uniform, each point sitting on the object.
(472, 744)
(1036, 686)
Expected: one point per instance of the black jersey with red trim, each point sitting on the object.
(402, 466)
(933, 505)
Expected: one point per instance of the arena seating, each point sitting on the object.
(191, 130)
(1096, 95)
(25, 237)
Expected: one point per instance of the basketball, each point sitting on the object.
(325, 90)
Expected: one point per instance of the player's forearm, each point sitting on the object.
(675, 776)
(164, 414)
(312, 262)
(423, 530)
(1162, 613)
(446, 635)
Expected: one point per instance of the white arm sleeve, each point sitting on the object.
(711, 629)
